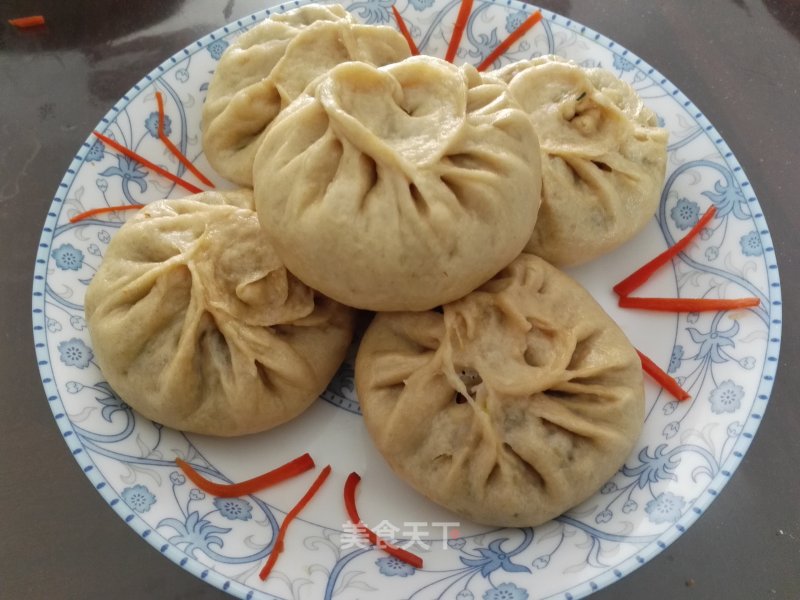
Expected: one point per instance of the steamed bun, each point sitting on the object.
(270, 65)
(603, 157)
(400, 187)
(198, 325)
(509, 406)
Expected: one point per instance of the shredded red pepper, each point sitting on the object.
(173, 148)
(132, 155)
(350, 504)
(515, 35)
(401, 25)
(105, 209)
(687, 304)
(458, 29)
(26, 22)
(662, 378)
(642, 274)
(277, 548)
(299, 465)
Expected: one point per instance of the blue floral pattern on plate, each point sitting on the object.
(687, 451)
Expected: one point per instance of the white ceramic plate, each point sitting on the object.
(685, 455)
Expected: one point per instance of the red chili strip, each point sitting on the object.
(132, 155)
(643, 273)
(173, 148)
(458, 29)
(662, 378)
(277, 548)
(299, 465)
(350, 504)
(687, 304)
(401, 25)
(26, 22)
(515, 35)
(105, 209)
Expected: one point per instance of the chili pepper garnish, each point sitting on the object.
(350, 505)
(401, 25)
(173, 148)
(687, 304)
(662, 378)
(277, 548)
(458, 29)
(643, 273)
(27, 22)
(140, 159)
(515, 35)
(299, 465)
(103, 210)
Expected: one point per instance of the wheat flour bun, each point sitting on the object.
(401, 187)
(603, 157)
(509, 406)
(270, 65)
(197, 324)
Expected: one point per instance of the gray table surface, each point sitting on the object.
(738, 60)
